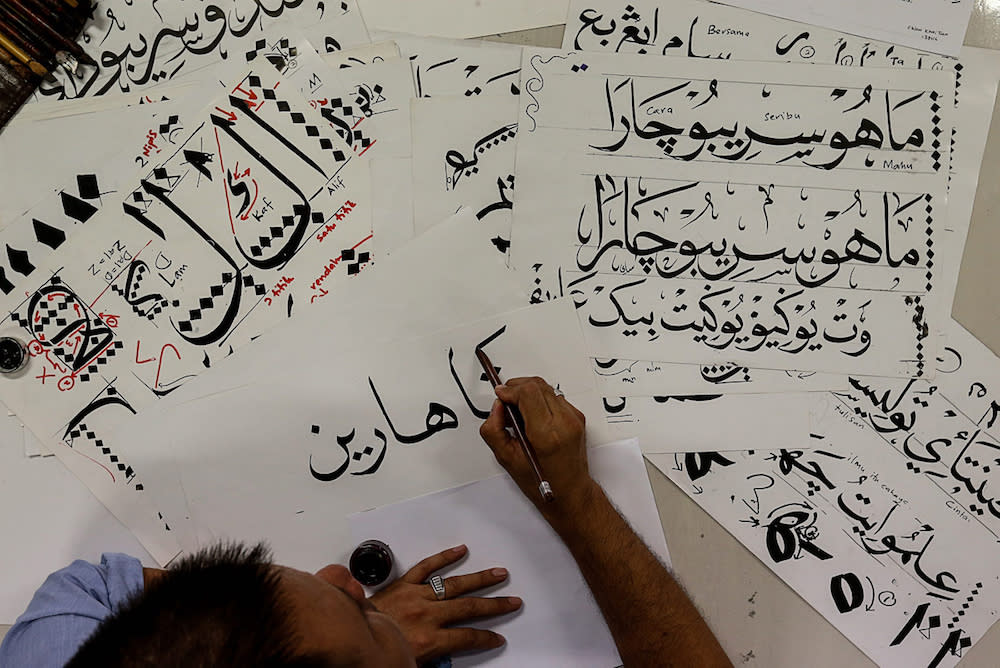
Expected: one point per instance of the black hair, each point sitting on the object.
(219, 607)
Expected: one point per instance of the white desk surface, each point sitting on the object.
(759, 620)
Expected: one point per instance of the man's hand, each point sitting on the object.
(425, 621)
(650, 617)
(555, 429)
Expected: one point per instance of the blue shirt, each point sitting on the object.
(69, 606)
(67, 609)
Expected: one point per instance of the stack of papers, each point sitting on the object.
(730, 233)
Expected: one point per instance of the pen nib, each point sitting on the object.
(67, 61)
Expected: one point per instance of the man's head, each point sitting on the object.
(231, 606)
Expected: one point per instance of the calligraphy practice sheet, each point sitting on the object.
(363, 93)
(139, 44)
(756, 209)
(560, 623)
(468, 18)
(693, 28)
(942, 430)
(369, 54)
(890, 530)
(51, 519)
(390, 302)
(97, 140)
(371, 104)
(936, 25)
(453, 67)
(387, 87)
(698, 29)
(349, 431)
(158, 299)
(463, 156)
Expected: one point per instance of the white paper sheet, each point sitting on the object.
(639, 378)
(383, 91)
(693, 28)
(392, 210)
(387, 88)
(693, 424)
(371, 103)
(116, 145)
(733, 182)
(463, 156)
(935, 25)
(891, 529)
(369, 54)
(49, 520)
(468, 18)
(454, 67)
(339, 433)
(87, 143)
(33, 446)
(157, 298)
(37, 239)
(389, 302)
(560, 624)
(701, 29)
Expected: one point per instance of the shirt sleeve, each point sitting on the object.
(67, 609)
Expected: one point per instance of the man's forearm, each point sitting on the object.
(650, 617)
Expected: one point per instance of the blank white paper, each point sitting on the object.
(559, 624)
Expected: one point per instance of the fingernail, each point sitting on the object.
(514, 601)
(500, 640)
(498, 388)
(499, 572)
(459, 549)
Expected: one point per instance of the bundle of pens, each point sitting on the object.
(36, 36)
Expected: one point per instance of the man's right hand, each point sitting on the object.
(555, 429)
(650, 617)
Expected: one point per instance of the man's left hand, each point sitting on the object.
(427, 622)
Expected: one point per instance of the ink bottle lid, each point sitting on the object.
(13, 355)
(372, 563)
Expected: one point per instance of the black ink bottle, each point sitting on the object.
(372, 563)
(13, 355)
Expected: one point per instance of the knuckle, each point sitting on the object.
(422, 641)
(466, 607)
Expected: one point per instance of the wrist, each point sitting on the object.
(570, 506)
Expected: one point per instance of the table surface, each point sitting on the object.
(758, 618)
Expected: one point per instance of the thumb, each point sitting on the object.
(494, 432)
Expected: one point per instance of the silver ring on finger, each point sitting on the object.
(559, 393)
(437, 586)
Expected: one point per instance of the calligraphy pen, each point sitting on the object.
(36, 28)
(517, 424)
(13, 49)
